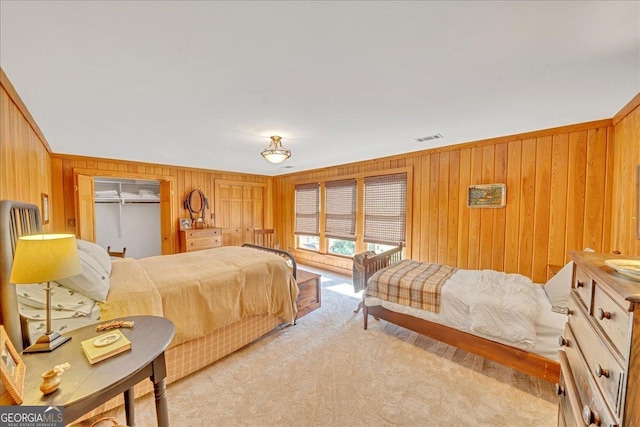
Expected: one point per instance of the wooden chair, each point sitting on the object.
(263, 237)
(116, 254)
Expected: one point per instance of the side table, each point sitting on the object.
(84, 386)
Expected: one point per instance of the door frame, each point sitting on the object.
(168, 233)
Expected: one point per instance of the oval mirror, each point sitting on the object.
(196, 201)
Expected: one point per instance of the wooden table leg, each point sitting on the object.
(129, 408)
(160, 390)
(162, 412)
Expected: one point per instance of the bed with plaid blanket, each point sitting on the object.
(491, 304)
(411, 283)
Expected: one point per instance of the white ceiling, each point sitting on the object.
(204, 84)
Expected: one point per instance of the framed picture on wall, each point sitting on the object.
(12, 370)
(487, 196)
(185, 223)
(44, 208)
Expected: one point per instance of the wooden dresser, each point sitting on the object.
(600, 356)
(199, 239)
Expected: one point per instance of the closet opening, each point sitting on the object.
(127, 215)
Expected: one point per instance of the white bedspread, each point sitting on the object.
(506, 308)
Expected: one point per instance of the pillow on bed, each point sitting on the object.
(33, 298)
(97, 252)
(559, 286)
(92, 282)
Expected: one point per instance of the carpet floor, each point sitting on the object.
(328, 371)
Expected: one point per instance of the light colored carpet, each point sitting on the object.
(328, 371)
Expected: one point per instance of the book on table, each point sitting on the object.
(104, 346)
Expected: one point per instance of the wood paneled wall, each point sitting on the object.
(558, 181)
(25, 171)
(567, 188)
(184, 180)
(626, 187)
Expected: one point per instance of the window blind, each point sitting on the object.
(308, 209)
(340, 206)
(385, 207)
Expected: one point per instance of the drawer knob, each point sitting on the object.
(590, 417)
(601, 372)
(579, 284)
(560, 390)
(603, 314)
(562, 341)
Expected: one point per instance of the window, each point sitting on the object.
(340, 208)
(311, 243)
(307, 227)
(379, 248)
(342, 247)
(385, 207)
(353, 214)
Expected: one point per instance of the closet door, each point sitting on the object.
(167, 223)
(238, 210)
(85, 209)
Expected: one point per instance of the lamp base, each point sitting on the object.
(47, 342)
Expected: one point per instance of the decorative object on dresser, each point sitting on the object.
(196, 203)
(185, 224)
(600, 356)
(45, 258)
(199, 239)
(310, 295)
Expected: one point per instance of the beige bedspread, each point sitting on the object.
(205, 290)
(131, 292)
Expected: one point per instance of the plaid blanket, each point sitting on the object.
(412, 283)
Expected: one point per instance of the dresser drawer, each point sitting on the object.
(603, 366)
(203, 243)
(612, 318)
(202, 233)
(582, 285)
(566, 411)
(593, 408)
(199, 239)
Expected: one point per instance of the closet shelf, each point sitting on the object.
(124, 200)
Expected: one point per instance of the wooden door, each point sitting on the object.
(85, 208)
(238, 210)
(228, 202)
(167, 223)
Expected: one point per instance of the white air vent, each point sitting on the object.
(430, 137)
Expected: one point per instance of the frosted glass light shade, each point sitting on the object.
(45, 258)
(275, 152)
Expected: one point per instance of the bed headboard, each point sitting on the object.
(16, 219)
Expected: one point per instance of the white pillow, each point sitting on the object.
(92, 282)
(559, 286)
(62, 300)
(97, 252)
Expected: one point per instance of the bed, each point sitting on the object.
(462, 313)
(234, 296)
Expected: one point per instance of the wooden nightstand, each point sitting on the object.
(310, 294)
(85, 387)
(199, 239)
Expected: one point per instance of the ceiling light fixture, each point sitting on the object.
(275, 152)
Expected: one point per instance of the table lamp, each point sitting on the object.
(43, 258)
